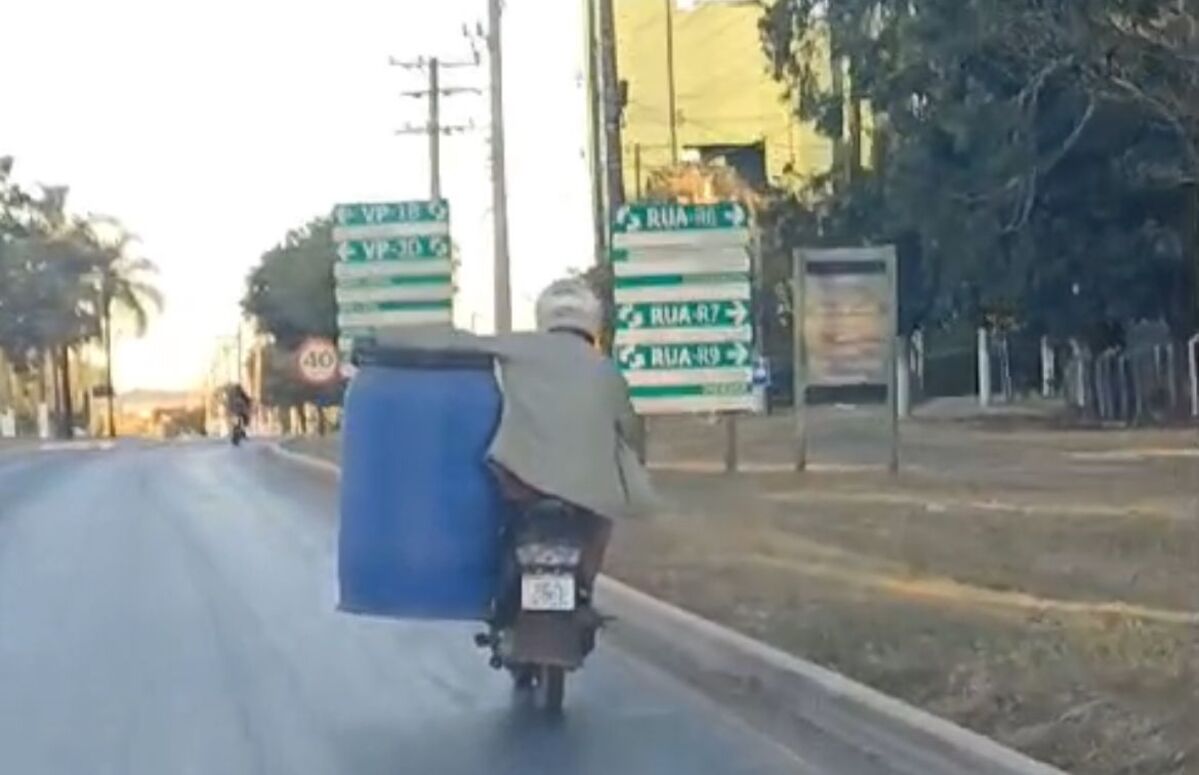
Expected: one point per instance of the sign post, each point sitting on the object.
(394, 267)
(846, 328)
(684, 315)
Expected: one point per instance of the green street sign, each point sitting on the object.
(394, 306)
(673, 280)
(678, 217)
(395, 266)
(658, 357)
(379, 213)
(720, 389)
(401, 249)
(693, 398)
(360, 318)
(693, 314)
(683, 288)
(442, 279)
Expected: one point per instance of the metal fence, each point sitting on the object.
(1136, 385)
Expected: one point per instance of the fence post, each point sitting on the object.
(1083, 363)
(984, 368)
(1193, 357)
(1172, 377)
(918, 360)
(903, 376)
(1048, 368)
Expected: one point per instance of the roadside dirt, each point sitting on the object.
(1038, 586)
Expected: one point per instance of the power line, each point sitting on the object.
(434, 129)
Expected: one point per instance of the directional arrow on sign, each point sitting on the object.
(738, 313)
(631, 317)
(736, 214)
(739, 354)
(631, 358)
(628, 218)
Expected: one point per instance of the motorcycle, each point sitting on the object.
(543, 624)
(238, 433)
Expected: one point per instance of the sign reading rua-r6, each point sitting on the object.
(679, 217)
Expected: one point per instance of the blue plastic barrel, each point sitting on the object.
(420, 511)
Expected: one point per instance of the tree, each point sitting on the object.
(61, 279)
(44, 306)
(290, 292)
(122, 290)
(291, 295)
(1004, 143)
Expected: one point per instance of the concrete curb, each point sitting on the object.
(323, 468)
(785, 688)
(740, 668)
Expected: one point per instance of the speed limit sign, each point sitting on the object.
(318, 360)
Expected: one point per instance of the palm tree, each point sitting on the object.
(123, 288)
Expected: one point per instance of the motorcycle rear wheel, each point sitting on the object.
(552, 686)
(524, 677)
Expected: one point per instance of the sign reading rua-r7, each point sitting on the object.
(693, 314)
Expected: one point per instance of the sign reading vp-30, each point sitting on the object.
(362, 251)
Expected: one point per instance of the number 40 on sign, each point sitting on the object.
(318, 361)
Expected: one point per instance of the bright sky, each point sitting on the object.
(212, 128)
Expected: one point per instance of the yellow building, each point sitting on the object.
(727, 104)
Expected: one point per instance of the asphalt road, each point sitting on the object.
(170, 609)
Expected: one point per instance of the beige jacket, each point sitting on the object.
(567, 427)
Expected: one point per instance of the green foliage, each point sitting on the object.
(290, 292)
(291, 295)
(60, 276)
(1033, 159)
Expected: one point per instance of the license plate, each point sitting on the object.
(547, 592)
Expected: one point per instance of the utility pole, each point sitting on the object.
(595, 142)
(671, 96)
(499, 184)
(434, 129)
(614, 103)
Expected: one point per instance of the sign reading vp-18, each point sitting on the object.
(390, 220)
(398, 249)
(376, 213)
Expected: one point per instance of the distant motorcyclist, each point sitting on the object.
(237, 405)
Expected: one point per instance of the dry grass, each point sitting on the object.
(1039, 586)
